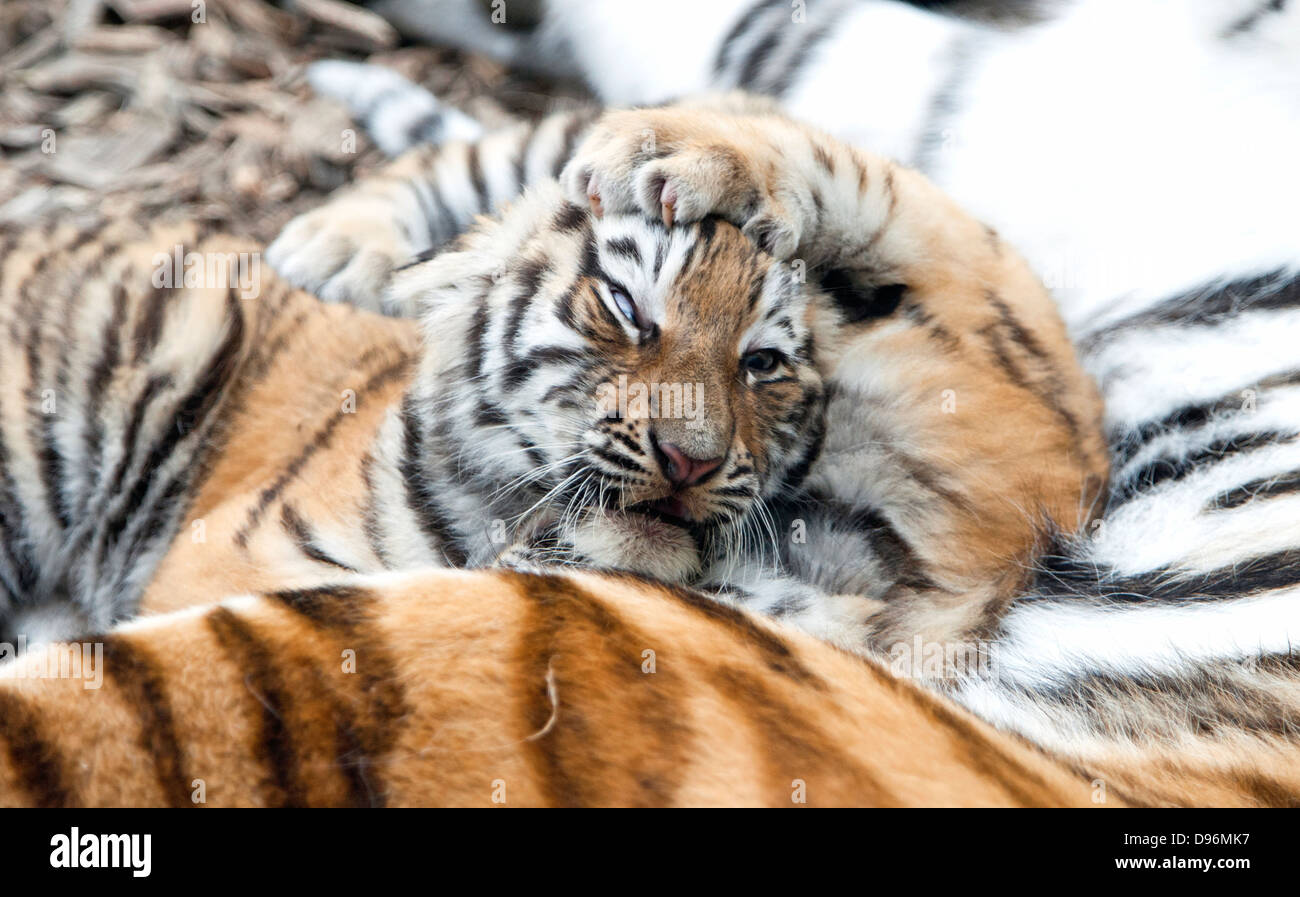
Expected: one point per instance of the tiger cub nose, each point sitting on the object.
(680, 468)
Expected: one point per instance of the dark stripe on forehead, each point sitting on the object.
(756, 291)
(589, 265)
(571, 218)
(625, 247)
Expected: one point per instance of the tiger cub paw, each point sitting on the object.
(344, 251)
(682, 165)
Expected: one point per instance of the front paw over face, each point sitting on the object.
(680, 166)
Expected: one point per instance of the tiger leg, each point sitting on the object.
(347, 249)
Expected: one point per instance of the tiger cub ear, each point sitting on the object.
(860, 301)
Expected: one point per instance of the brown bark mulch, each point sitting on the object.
(200, 109)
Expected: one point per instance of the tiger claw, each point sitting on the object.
(668, 204)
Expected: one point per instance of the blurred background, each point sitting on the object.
(132, 105)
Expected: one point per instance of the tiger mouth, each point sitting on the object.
(669, 509)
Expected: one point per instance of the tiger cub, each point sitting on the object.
(962, 433)
(171, 436)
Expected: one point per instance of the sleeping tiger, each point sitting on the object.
(914, 505)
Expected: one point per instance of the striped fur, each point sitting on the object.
(333, 444)
(275, 437)
(490, 689)
(917, 517)
(1163, 639)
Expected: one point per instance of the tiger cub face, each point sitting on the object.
(619, 394)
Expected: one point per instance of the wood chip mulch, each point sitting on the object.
(133, 107)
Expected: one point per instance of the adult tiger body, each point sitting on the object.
(452, 688)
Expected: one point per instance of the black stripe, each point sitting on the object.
(1172, 468)
(477, 342)
(257, 662)
(946, 102)
(584, 648)
(136, 674)
(575, 129)
(627, 440)
(759, 53)
(320, 440)
(898, 556)
(38, 765)
(529, 275)
(747, 20)
(129, 443)
(617, 460)
(1129, 440)
(521, 369)
(110, 355)
(625, 247)
(371, 523)
(1211, 304)
(1046, 384)
(190, 413)
(1209, 701)
(570, 217)
(305, 539)
(776, 654)
(787, 738)
(435, 523)
(349, 610)
(780, 81)
(1260, 489)
(520, 160)
(13, 530)
(476, 178)
(1061, 577)
(148, 329)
